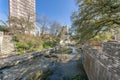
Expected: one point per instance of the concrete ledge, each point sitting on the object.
(14, 60)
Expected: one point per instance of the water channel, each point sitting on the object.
(52, 66)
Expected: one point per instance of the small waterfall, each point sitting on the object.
(73, 50)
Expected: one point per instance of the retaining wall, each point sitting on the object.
(103, 64)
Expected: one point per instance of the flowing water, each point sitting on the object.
(71, 69)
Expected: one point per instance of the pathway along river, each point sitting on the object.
(50, 66)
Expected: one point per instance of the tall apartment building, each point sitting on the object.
(23, 8)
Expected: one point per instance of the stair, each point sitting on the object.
(8, 48)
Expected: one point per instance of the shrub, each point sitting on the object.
(46, 44)
(22, 45)
(28, 43)
(4, 28)
(15, 38)
(102, 37)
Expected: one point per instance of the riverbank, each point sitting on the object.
(65, 65)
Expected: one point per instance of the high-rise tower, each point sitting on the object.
(23, 8)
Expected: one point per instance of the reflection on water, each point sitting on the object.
(47, 68)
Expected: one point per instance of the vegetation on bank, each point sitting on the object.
(95, 17)
(49, 35)
(100, 38)
(30, 43)
(4, 28)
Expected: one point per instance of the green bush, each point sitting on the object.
(15, 38)
(102, 37)
(49, 43)
(46, 45)
(25, 44)
(22, 45)
(4, 28)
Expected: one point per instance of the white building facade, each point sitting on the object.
(25, 9)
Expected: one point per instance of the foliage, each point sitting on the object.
(49, 43)
(21, 25)
(4, 28)
(15, 38)
(25, 43)
(94, 16)
(102, 37)
(53, 29)
(22, 45)
(46, 44)
(29, 43)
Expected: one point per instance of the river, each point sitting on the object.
(61, 66)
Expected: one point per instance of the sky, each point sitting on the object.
(55, 10)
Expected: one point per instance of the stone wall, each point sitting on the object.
(14, 60)
(103, 64)
(112, 49)
(8, 47)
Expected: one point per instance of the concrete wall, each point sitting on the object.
(112, 49)
(104, 64)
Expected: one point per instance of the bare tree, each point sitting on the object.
(21, 25)
(43, 22)
(4, 22)
(24, 23)
(55, 28)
